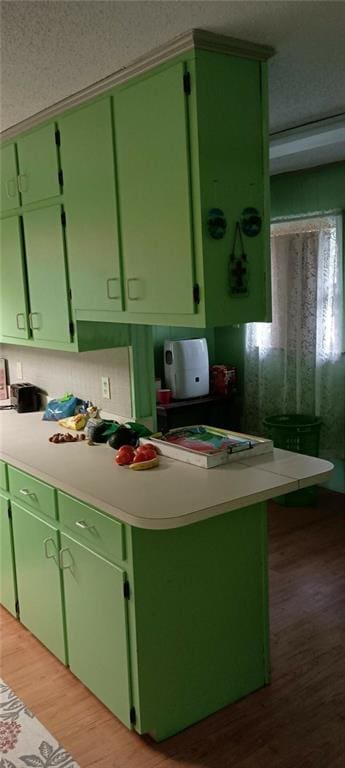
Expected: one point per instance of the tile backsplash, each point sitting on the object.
(60, 372)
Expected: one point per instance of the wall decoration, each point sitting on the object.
(238, 266)
(216, 223)
(251, 222)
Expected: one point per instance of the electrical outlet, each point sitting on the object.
(105, 387)
(19, 369)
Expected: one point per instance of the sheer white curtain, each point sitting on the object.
(296, 363)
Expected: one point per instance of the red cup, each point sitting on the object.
(164, 396)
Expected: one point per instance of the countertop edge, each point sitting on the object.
(291, 484)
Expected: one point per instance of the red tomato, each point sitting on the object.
(125, 455)
(144, 453)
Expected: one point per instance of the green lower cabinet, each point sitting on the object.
(96, 621)
(177, 633)
(8, 594)
(36, 546)
(200, 612)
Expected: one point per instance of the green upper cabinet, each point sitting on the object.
(150, 174)
(151, 132)
(87, 157)
(47, 277)
(191, 138)
(230, 172)
(13, 295)
(38, 177)
(9, 181)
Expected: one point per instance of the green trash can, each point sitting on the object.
(300, 434)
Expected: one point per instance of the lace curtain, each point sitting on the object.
(296, 364)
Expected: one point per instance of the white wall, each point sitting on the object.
(80, 373)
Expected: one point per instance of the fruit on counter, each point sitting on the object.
(145, 453)
(149, 464)
(125, 455)
(61, 437)
(145, 457)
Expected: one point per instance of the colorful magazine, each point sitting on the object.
(205, 440)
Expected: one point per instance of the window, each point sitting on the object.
(295, 364)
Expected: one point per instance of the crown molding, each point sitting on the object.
(212, 41)
(194, 39)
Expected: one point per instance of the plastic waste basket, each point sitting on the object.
(299, 433)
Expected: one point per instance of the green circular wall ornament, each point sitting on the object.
(216, 223)
(251, 222)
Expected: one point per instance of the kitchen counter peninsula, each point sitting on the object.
(173, 495)
(152, 585)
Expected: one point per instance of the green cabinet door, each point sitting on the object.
(87, 158)
(36, 550)
(96, 624)
(3, 477)
(152, 147)
(38, 165)
(9, 183)
(47, 277)
(13, 301)
(7, 572)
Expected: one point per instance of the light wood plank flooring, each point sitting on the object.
(296, 722)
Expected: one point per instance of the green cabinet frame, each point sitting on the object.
(8, 586)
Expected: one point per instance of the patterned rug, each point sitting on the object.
(24, 741)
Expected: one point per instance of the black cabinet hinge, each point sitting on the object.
(186, 83)
(132, 716)
(60, 176)
(126, 590)
(196, 293)
(63, 218)
(57, 138)
(71, 328)
(17, 608)
(9, 510)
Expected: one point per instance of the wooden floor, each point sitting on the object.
(296, 722)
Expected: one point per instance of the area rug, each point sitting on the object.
(24, 741)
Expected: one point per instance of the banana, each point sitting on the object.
(145, 464)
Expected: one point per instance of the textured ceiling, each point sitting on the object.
(51, 49)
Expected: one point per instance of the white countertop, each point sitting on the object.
(171, 495)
